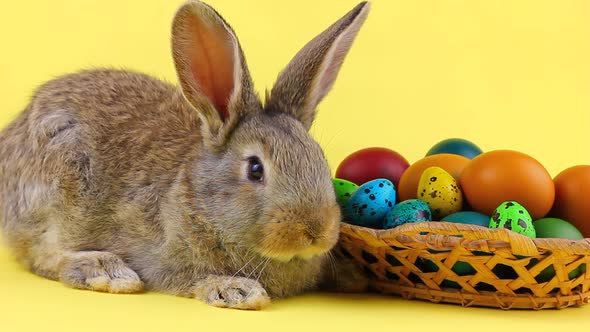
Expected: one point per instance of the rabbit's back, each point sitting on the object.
(88, 146)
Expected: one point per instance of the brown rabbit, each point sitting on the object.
(115, 181)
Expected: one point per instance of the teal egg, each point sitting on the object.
(370, 203)
(468, 217)
(344, 190)
(411, 210)
(513, 216)
(458, 146)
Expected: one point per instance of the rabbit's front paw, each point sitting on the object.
(99, 271)
(231, 292)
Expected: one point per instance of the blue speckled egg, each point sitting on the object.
(369, 204)
(410, 210)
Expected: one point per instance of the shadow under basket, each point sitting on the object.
(480, 267)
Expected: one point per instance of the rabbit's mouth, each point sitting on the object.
(285, 256)
(285, 236)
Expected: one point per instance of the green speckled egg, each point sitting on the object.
(411, 210)
(513, 216)
(344, 189)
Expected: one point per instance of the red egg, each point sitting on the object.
(372, 163)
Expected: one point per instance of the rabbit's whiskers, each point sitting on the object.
(266, 263)
(243, 267)
(332, 262)
(256, 268)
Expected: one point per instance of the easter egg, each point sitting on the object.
(549, 272)
(458, 146)
(556, 228)
(408, 183)
(412, 210)
(513, 216)
(344, 190)
(572, 190)
(468, 217)
(372, 163)
(503, 271)
(498, 176)
(440, 191)
(370, 203)
(460, 268)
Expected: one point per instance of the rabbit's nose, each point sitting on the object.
(324, 226)
(316, 229)
(313, 229)
(299, 232)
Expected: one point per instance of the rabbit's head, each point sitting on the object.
(262, 182)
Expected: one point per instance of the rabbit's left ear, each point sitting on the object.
(211, 67)
(312, 72)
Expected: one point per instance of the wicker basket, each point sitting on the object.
(505, 269)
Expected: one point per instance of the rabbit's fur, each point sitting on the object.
(115, 181)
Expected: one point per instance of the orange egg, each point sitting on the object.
(572, 189)
(408, 183)
(504, 175)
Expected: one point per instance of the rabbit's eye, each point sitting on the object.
(255, 169)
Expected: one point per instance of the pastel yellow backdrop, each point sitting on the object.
(504, 74)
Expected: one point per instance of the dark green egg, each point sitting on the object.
(556, 228)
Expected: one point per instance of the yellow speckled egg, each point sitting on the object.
(440, 191)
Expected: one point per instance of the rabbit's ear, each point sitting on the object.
(210, 66)
(312, 72)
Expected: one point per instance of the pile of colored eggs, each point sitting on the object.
(373, 204)
(457, 182)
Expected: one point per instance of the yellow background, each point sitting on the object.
(504, 74)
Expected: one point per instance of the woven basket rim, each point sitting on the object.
(443, 234)
(485, 298)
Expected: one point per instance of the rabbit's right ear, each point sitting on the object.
(312, 72)
(211, 68)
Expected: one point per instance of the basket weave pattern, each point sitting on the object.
(415, 261)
